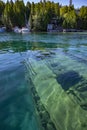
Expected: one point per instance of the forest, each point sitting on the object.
(40, 14)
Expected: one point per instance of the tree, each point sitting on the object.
(83, 17)
(63, 10)
(19, 12)
(8, 13)
(28, 10)
(42, 14)
(70, 20)
(2, 6)
(32, 8)
(57, 10)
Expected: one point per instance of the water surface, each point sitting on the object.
(40, 57)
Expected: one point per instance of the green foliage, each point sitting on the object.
(63, 10)
(2, 6)
(8, 13)
(41, 14)
(19, 12)
(83, 17)
(32, 8)
(83, 12)
(57, 10)
(14, 13)
(28, 10)
(70, 20)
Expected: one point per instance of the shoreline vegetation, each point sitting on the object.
(44, 16)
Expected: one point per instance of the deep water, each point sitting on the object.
(65, 54)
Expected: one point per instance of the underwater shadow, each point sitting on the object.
(68, 79)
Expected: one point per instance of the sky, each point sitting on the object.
(77, 3)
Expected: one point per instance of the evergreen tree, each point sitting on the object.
(2, 6)
(20, 12)
(8, 13)
(63, 10)
(28, 10)
(83, 17)
(70, 20)
(41, 14)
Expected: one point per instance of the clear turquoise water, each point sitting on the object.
(68, 54)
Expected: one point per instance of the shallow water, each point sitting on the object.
(56, 65)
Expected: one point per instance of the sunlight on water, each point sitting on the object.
(43, 81)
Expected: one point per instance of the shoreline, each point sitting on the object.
(64, 30)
